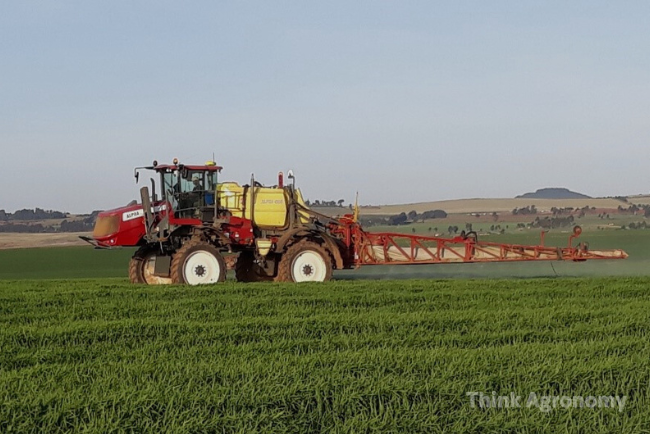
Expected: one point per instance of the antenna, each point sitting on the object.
(356, 208)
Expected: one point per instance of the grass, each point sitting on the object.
(63, 263)
(393, 356)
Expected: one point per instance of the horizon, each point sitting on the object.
(361, 205)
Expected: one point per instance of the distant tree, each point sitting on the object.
(399, 219)
(552, 222)
(77, 225)
(340, 202)
(525, 210)
(412, 215)
(433, 214)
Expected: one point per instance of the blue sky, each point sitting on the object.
(401, 101)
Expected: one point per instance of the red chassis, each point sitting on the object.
(125, 227)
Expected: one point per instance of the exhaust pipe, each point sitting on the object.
(148, 216)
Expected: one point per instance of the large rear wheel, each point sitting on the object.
(305, 261)
(142, 266)
(198, 263)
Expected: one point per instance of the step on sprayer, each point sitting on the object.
(184, 227)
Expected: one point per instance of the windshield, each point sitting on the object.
(190, 190)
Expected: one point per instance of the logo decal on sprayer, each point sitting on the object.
(132, 215)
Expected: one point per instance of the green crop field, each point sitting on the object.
(85, 351)
(63, 263)
(102, 355)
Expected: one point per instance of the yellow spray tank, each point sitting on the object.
(271, 204)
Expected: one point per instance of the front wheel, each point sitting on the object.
(142, 267)
(305, 261)
(198, 263)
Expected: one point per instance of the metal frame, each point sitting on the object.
(383, 248)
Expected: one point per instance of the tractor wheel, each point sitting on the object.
(198, 263)
(305, 261)
(246, 270)
(141, 267)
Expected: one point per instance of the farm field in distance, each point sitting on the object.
(101, 355)
(85, 262)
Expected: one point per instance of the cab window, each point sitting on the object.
(189, 191)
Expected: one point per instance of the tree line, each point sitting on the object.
(526, 210)
(326, 203)
(32, 214)
(402, 218)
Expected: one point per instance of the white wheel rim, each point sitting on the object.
(148, 270)
(200, 268)
(308, 266)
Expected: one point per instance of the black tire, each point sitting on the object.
(315, 265)
(246, 270)
(207, 266)
(138, 268)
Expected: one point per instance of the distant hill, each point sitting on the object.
(553, 193)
